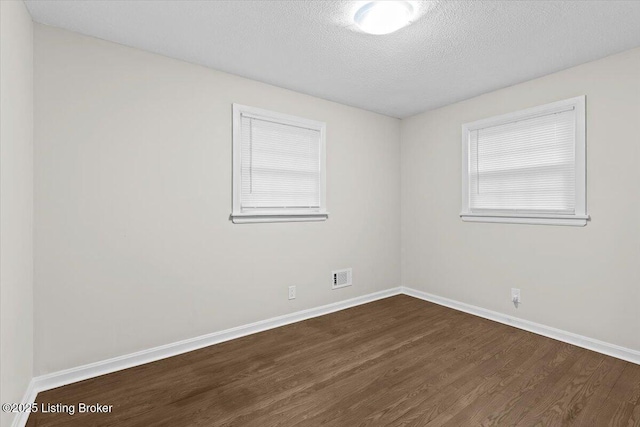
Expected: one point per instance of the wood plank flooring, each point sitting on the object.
(394, 362)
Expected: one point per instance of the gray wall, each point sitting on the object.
(582, 280)
(134, 248)
(16, 202)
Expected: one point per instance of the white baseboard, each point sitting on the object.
(60, 378)
(613, 350)
(29, 397)
(68, 376)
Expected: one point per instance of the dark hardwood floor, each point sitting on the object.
(398, 362)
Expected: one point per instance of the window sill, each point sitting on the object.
(570, 220)
(244, 218)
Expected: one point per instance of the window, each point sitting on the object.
(526, 167)
(278, 167)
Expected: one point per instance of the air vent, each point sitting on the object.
(341, 278)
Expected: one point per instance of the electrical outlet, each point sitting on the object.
(515, 296)
(292, 292)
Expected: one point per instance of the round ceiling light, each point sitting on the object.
(383, 17)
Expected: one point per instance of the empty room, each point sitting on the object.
(319, 213)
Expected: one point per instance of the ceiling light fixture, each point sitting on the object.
(383, 17)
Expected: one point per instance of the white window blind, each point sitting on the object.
(528, 165)
(525, 166)
(279, 163)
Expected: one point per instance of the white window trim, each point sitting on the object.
(274, 215)
(580, 217)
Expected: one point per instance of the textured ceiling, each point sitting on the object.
(452, 50)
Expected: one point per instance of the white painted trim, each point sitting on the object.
(244, 218)
(580, 217)
(527, 113)
(68, 376)
(613, 350)
(570, 220)
(240, 216)
(80, 373)
(20, 419)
